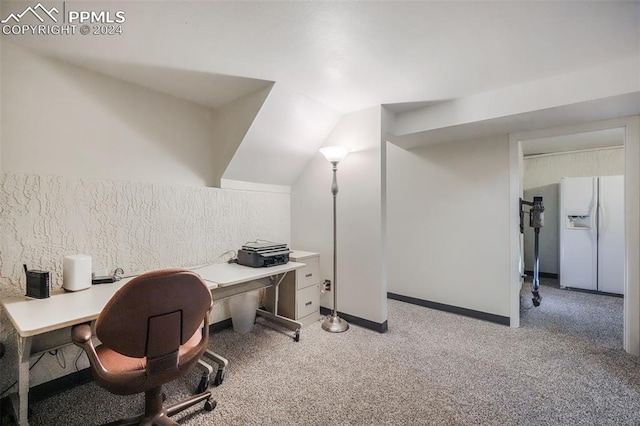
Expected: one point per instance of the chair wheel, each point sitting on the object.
(210, 405)
(164, 397)
(296, 338)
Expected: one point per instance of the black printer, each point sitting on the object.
(260, 255)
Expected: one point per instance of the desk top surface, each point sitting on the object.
(62, 309)
(225, 274)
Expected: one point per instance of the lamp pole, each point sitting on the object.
(334, 323)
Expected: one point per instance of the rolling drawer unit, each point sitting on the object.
(299, 294)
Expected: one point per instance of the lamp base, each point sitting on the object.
(334, 324)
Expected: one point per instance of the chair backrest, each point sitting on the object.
(154, 313)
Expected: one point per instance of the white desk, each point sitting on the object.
(44, 324)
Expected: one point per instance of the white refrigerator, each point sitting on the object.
(592, 233)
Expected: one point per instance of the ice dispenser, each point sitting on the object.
(578, 220)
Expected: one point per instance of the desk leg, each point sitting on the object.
(278, 319)
(22, 409)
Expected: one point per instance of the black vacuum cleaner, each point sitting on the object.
(536, 221)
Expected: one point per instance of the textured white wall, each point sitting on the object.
(61, 119)
(448, 223)
(548, 169)
(135, 226)
(541, 177)
(361, 285)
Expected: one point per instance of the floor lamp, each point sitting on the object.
(333, 323)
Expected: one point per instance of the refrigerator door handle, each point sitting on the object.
(601, 218)
(595, 211)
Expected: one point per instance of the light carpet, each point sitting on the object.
(564, 366)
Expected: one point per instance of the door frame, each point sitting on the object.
(631, 332)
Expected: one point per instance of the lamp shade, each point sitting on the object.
(335, 154)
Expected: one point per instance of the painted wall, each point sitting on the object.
(541, 177)
(59, 119)
(232, 123)
(281, 139)
(448, 216)
(604, 81)
(361, 286)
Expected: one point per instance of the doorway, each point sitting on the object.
(577, 160)
(626, 148)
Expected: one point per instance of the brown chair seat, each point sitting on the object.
(118, 363)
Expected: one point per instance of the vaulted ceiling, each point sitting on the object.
(333, 58)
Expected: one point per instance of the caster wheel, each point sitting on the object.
(210, 405)
(219, 377)
(204, 384)
(164, 397)
(296, 338)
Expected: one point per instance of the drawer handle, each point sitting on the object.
(308, 304)
(308, 275)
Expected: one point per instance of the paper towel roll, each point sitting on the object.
(76, 272)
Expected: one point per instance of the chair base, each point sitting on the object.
(156, 414)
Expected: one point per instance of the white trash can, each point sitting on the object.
(243, 311)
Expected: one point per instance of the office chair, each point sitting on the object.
(152, 331)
